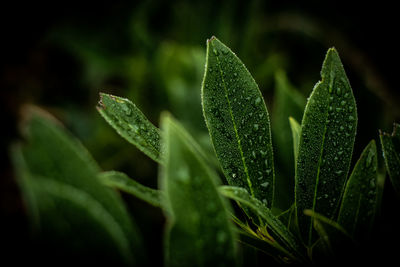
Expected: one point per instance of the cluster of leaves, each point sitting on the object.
(309, 221)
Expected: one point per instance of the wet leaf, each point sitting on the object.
(284, 238)
(199, 232)
(391, 153)
(127, 119)
(328, 131)
(238, 122)
(71, 205)
(360, 199)
(121, 181)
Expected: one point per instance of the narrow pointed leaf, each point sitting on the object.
(127, 119)
(121, 181)
(391, 153)
(199, 232)
(296, 131)
(326, 144)
(360, 199)
(283, 236)
(68, 186)
(238, 122)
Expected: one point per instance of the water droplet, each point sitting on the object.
(265, 185)
(255, 126)
(258, 100)
(233, 175)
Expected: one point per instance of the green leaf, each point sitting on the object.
(199, 232)
(391, 153)
(326, 144)
(360, 199)
(61, 177)
(121, 181)
(238, 122)
(296, 131)
(288, 102)
(286, 241)
(131, 124)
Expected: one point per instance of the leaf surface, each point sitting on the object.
(127, 119)
(328, 131)
(121, 181)
(360, 199)
(391, 154)
(238, 122)
(199, 232)
(62, 179)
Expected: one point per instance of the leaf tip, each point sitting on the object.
(211, 39)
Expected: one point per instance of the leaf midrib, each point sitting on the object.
(235, 128)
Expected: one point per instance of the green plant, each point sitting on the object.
(311, 221)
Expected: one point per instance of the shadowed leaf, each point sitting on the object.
(72, 206)
(199, 232)
(360, 199)
(391, 153)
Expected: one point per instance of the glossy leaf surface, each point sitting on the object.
(238, 122)
(328, 131)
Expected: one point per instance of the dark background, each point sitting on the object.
(60, 54)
